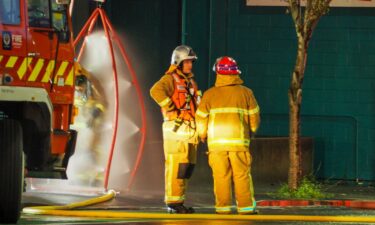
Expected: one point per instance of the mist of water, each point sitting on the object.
(87, 166)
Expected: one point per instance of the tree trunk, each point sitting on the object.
(294, 145)
(304, 25)
(295, 99)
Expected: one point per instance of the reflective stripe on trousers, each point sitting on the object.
(177, 152)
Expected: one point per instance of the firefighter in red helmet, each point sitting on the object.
(227, 116)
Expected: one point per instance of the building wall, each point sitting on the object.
(338, 99)
(150, 30)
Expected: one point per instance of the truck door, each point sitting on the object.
(49, 45)
(40, 39)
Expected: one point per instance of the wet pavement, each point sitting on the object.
(202, 201)
(27, 219)
(64, 221)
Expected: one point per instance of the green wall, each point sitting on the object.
(338, 99)
(150, 30)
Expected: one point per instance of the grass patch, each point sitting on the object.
(309, 189)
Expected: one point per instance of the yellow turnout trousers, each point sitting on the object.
(228, 166)
(180, 159)
(180, 151)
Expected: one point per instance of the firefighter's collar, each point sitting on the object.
(227, 80)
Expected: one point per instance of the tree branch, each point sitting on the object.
(294, 6)
(315, 9)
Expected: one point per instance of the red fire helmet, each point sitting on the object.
(226, 66)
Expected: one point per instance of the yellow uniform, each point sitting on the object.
(180, 146)
(227, 116)
(91, 103)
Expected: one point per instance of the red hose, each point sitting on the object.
(83, 33)
(89, 31)
(109, 30)
(141, 101)
(115, 122)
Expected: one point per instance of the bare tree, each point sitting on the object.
(305, 21)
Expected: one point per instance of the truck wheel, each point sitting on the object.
(11, 170)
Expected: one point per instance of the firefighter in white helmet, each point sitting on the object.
(178, 96)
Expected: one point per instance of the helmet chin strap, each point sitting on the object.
(181, 69)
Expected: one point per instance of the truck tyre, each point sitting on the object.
(11, 170)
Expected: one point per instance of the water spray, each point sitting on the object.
(114, 41)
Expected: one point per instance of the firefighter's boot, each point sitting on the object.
(179, 208)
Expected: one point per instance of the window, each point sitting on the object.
(59, 21)
(39, 13)
(59, 16)
(10, 12)
(49, 14)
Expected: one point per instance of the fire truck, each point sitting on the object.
(37, 84)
